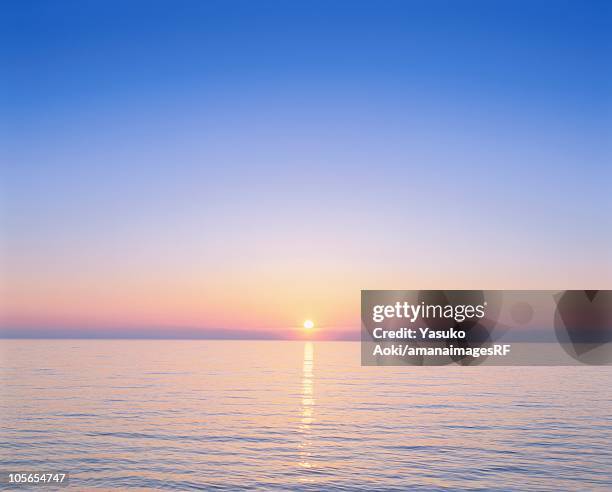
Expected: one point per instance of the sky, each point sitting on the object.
(234, 168)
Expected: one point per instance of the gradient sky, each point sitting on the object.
(221, 166)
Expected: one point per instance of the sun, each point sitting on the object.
(308, 324)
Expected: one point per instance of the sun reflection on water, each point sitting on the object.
(307, 409)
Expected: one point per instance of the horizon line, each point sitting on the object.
(166, 333)
(220, 339)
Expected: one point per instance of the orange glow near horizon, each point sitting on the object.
(97, 298)
(259, 295)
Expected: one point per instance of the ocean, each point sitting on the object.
(281, 415)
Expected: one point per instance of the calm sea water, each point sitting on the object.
(299, 416)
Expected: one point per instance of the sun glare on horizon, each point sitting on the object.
(308, 324)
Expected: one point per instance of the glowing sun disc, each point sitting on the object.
(308, 324)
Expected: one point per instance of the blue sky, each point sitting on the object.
(162, 159)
